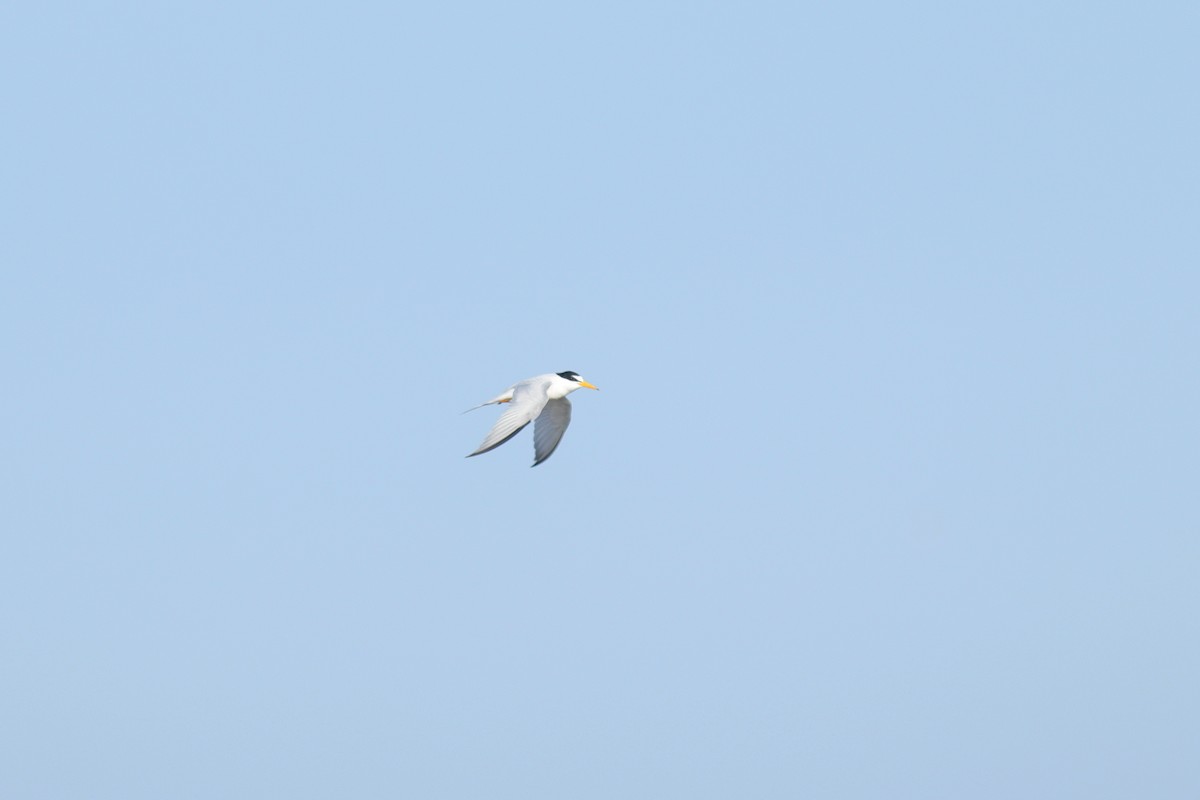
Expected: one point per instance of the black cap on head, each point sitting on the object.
(571, 376)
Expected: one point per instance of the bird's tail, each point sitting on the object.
(481, 405)
(503, 397)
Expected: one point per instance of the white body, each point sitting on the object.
(542, 398)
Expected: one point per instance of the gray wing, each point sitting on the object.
(550, 427)
(527, 402)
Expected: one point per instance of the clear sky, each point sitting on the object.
(890, 490)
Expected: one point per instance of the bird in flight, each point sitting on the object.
(542, 398)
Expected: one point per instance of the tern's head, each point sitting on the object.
(574, 377)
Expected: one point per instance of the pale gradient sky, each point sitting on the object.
(890, 490)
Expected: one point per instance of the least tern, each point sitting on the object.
(542, 398)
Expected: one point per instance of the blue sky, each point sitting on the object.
(890, 490)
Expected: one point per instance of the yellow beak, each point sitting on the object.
(587, 385)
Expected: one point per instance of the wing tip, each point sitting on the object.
(482, 449)
(544, 458)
